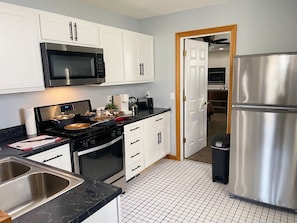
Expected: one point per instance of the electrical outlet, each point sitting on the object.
(148, 94)
(109, 98)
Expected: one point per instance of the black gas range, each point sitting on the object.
(97, 151)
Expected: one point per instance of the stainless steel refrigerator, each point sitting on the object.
(263, 150)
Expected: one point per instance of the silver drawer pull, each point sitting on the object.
(134, 142)
(57, 156)
(136, 168)
(135, 155)
(134, 129)
(159, 119)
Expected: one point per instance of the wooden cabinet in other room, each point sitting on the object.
(20, 61)
(63, 29)
(57, 157)
(134, 157)
(157, 138)
(138, 57)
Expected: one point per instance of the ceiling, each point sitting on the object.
(141, 9)
(223, 45)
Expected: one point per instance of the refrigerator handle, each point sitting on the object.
(265, 108)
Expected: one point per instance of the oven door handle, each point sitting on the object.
(103, 146)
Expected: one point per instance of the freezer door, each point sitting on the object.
(263, 156)
(265, 79)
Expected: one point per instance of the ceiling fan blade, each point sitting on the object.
(219, 40)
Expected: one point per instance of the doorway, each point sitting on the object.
(232, 29)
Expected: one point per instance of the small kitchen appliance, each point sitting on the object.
(66, 65)
(97, 148)
(122, 102)
(145, 103)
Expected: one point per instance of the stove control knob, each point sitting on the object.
(113, 134)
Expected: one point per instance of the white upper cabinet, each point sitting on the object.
(111, 40)
(20, 61)
(138, 57)
(63, 29)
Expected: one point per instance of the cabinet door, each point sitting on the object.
(57, 157)
(63, 29)
(132, 68)
(87, 32)
(20, 60)
(145, 46)
(110, 213)
(157, 138)
(138, 57)
(56, 27)
(111, 40)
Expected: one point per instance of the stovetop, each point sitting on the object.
(74, 134)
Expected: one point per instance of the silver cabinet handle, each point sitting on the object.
(134, 129)
(136, 141)
(75, 32)
(136, 168)
(141, 69)
(159, 135)
(70, 31)
(135, 155)
(52, 158)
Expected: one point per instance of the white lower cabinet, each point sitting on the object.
(134, 161)
(57, 157)
(146, 142)
(110, 213)
(157, 140)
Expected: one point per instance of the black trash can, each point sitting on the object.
(220, 145)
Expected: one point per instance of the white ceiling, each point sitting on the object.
(140, 9)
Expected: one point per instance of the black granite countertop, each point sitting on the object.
(78, 203)
(73, 206)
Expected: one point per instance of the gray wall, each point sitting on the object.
(263, 26)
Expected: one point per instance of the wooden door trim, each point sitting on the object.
(178, 36)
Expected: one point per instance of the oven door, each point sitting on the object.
(104, 162)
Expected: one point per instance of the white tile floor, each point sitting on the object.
(183, 191)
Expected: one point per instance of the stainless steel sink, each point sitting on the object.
(32, 188)
(11, 169)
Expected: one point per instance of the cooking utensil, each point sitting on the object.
(60, 121)
(82, 125)
(37, 140)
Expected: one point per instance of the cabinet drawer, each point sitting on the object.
(154, 121)
(134, 142)
(133, 155)
(58, 157)
(133, 129)
(134, 169)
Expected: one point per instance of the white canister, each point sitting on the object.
(30, 122)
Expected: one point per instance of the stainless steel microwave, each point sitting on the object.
(217, 76)
(66, 65)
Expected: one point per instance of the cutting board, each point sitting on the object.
(34, 143)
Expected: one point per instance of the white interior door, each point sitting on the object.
(195, 105)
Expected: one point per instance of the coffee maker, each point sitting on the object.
(122, 102)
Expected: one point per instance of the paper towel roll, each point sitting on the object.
(30, 121)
